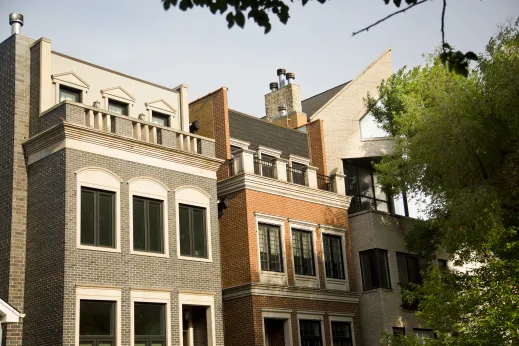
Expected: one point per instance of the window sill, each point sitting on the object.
(337, 284)
(196, 259)
(306, 281)
(374, 290)
(98, 248)
(150, 254)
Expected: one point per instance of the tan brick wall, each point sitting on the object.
(291, 121)
(315, 132)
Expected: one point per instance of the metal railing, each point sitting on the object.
(324, 182)
(296, 175)
(264, 168)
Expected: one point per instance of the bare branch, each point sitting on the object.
(443, 24)
(391, 15)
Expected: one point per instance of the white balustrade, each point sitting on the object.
(98, 120)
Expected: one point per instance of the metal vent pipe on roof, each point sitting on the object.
(16, 22)
(282, 111)
(281, 73)
(290, 77)
(273, 86)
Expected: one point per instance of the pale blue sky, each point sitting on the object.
(139, 38)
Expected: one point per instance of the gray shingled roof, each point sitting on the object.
(314, 103)
(261, 132)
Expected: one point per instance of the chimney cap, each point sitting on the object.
(291, 75)
(281, 71)
(282, 108)
(273, 85)
(16, 18)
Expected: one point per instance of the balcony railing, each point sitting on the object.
(264, 168)
(296, 175)
(324, 182)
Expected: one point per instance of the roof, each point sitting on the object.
(314, 103)
(259, 132)
(8, 314)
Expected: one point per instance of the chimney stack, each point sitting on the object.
(290, 77)
(282, 111)
(273, 86)
(16, 22)
(281, 74)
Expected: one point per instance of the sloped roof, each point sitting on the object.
(314, 103)
(260, 132)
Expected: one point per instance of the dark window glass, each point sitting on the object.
(375, 270)
(310, 333)
(149, 324)
(193, 239)
(333, 256)
(302, 246)
(270, 248)
(160, 118)
(296, 173)
(97, 217)
(398, 331)
(69, 94)
(341, 334)
(118, 107)
(96, 323)
(147, 225)
(409, 271)
(442, 264)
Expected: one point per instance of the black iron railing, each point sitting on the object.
(324, 182)
(296, 175)
(264, 168)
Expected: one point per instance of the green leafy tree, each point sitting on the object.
(457, 144)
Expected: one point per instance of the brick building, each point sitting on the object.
(109, 220)
(287, 266)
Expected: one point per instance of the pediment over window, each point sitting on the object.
(161, 105)
(70, 79)
(118, 93)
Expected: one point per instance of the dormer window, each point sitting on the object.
(297, 173)
(69, 94)
(117, 107)
(160, 118)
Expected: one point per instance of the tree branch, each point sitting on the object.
(391, 15)
(443, 24)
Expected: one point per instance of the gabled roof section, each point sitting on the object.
(8, 314)
(343, 87)
(263, 133)
(314, 103)
(71, 78)
(162, 105)
(118, 92)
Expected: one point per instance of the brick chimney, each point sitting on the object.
(287, 96)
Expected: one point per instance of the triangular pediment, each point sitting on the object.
(161, 104)
(70, 78)
(118, 92)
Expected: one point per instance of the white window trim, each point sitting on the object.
(310, 317)
(150, 188)
(342, 233)
(283, 315)
(311, 227)
(298, 159)
(268, 151)
(100, 293)
(198, 300)
(106, 95)
(102, 179)
(191, 195)
(268, 276)
(339, 318)
(150, 108)
(150, 296)
(239, 143)
(58, 80)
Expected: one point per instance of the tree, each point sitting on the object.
(457, 143)
(260, 11)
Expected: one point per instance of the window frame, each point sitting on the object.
(314, 317)
(147, 202)
(151, 188)
(334, 283)
(305, 280)
(396, 331)
(100, 294)
(190, 209)
(151, 297)
(377, 251)
(120, 103)
(198, 300)
(196, 197)
(269, 276)
(342, 319)
(281, 255)
(100, 179)
(162, 115)
(97, 193)
(283, 315)
(66, 87)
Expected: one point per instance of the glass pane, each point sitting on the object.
(157, 343)
(369, 128)
(96, 317)
(139, 225)
(366, 203)
(185, 238)
(263, 245)
(365, 182)
(379, 194)
(365, 260)
(199, 233)
(149, 319)
(402, 269)
(155, 223)
(106, 221)
(69, 94)
(398, 202)
(298, 252)
(275, 249)
(351, 179)
(87, 217)
(87, 343)
(413, 269)
(160, 119)
(382, 206)
(104, 343)
(139, 343)
(118, 107)
(384, 274)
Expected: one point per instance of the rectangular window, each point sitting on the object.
(375, 269)
(149, 324)
(160, 118)
(423, 334)
(193, 242)
(398, 331)
(409, 271)
(341, 334)
(302, 246)
(296, 173)
(69, 94)
(117, 107)
(96, 323)
(442, 264)
(270, 248)
(310, 333)
(148, 230)
(333, 256)
(97, 217)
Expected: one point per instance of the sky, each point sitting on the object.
(140, 38)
